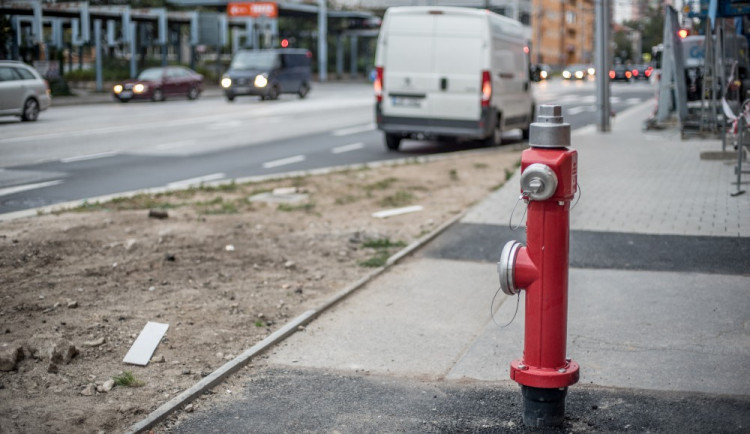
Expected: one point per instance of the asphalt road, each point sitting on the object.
(86, 151)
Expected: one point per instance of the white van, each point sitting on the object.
(451, 72)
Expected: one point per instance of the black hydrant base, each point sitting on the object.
(543, 407)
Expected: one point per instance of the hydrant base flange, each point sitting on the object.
(544, 378)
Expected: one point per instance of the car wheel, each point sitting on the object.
(158, 95)
(496, 138)
(274, 94)
(30, 110)
(392, 142)
(304, 89)
(230, 98)
(193, 93)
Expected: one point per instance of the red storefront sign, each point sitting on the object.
(253, 10)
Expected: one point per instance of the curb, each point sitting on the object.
(281, 334)
(63, 206)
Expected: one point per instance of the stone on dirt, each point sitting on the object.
(62, 352)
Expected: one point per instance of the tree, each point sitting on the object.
(651, 28)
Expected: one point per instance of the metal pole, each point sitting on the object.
(98, 53)
(322, 40)
(740, 139)
(602, 66)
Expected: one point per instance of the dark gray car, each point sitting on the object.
(23, 92)
(268, 73)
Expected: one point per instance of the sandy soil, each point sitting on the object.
(224, 272)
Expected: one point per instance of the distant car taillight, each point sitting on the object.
(635, 73)
(612, 74)
(486, 88)
(378, 84)
(46, 84)
(628, 74)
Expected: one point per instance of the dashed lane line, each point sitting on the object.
(88, 157)
(283, 161)
(20, 188)
(348, 148)
(353, 130)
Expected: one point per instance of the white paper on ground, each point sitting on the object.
(397, 211)
(145, 344)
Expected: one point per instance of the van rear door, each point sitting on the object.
(433, 65)
(459, 43)
(408, 76)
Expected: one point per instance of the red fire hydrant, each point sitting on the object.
(548, 184)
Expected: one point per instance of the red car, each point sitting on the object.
(157, 84)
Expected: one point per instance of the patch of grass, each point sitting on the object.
(259, 323)
(400, 198)
(453, 174)
(383, 243)
(497, 187)
(306, 207)
(230, 187)
(378, 260)
(139, 201)
(381, 185)
(508, 173)
(299, 181)
(383, 249)
(481, 165)
(127, 379)
(217, 206)
(346, 199)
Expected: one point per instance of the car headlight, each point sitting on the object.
(226, 82)
(592, 71)
(139, 88)
(579, 74)
(117, 88)
(543, 74)
(566, 74)
(261, 80)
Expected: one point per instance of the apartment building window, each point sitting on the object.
(570, 17)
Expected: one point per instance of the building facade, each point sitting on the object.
(562, 32)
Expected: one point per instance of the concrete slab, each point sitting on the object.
(416, 319)
(633, 329)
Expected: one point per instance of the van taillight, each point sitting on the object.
(486, 88)
(378, 84)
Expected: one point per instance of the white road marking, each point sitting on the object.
(88, 157)
(576, 110)
(283, 161)
(353, 130)
(348, 148)
(196, 181)
(236, 123)
(20, 188)
(172, 145)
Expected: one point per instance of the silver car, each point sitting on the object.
(23, 92)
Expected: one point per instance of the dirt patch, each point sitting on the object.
(223, 271)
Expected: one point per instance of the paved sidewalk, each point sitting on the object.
(659, 314)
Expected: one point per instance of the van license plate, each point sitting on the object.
(400, 101)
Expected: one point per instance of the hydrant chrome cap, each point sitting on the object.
(549, 130)
(538, 182)
(506, 265)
